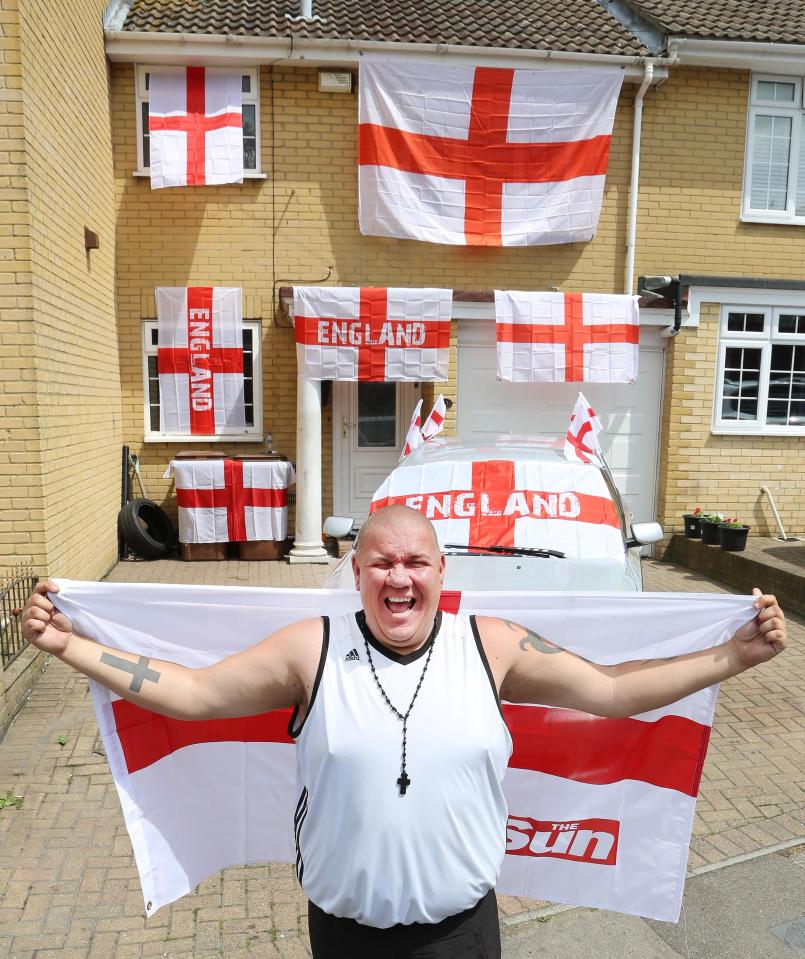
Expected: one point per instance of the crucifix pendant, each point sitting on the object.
(403, 782)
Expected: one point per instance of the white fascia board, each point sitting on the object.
(738, 55)
(741, 296)
(230, 50)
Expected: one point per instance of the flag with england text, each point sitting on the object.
(372, 333)
(200, 360)
(600, 810)
(228, 500)
(195, 127)
(483, 156)
(566, 337)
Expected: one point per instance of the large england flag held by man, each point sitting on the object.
(200, 359)
(195, 127)
(600, 810)
(483, 156)
(567, 337)
(372, 333)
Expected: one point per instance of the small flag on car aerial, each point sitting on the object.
(435, 422)
(581, 443)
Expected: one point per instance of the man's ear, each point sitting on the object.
(356, 571)
(442, 564)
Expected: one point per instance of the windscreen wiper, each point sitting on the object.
(508, 550)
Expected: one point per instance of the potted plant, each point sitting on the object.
(732, 534)
(692, 528)
(709, 523)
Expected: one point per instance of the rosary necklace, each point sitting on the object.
(404, 781)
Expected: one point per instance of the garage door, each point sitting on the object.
(630, 413)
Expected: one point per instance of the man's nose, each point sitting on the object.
(398, 574)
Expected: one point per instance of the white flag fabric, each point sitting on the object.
(600, 810)
(567, 337)
(372, 333)
(581, 443)
(200, 360)
(483, 156)
(195, 127)
(228, 501)
(434, 424)
(413, 438)
(536, 505)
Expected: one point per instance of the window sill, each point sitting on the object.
(252, 175)
(782, 431)
(772, 219)
(184, 438)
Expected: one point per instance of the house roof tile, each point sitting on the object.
(772, 21)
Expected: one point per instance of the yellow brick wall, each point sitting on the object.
(73, 405)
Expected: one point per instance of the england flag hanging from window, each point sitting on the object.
(195, 125)
(483, 156)
(200, 360)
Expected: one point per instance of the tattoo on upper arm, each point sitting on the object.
(139, 670)
(534, 640)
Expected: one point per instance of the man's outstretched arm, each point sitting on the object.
(530, 669)
(266, 676)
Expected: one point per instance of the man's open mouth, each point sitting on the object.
(399, 605)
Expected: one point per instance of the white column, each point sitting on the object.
(308, 547)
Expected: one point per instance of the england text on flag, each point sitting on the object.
(600, 810)
(372, 333)
(581, 443)
(483, 156)
(200, 360)
(195, 126)
(566, 337)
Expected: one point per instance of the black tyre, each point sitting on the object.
(146, 528)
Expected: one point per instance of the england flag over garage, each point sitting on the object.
(372, 333)
(534, 505)
(567, 337)
(483, 156)
(200, 360)
(600, 810)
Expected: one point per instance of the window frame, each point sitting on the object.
(252, 434)
(795, 111)
(764, 341)
(141, 95)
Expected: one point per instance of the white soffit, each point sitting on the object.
(738, 55)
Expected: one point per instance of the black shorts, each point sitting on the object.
(472, 934)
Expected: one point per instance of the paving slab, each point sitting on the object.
(68, 887)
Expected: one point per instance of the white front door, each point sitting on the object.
(370, 421)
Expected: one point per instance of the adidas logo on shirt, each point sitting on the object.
(352, 656)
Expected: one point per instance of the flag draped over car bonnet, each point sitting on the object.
(600, 810)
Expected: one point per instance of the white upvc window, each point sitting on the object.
(250, 85)
(760, 385)
(252, 389)
(774, 173)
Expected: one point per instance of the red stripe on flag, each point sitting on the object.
(494, 478)
(202, 498)
(450, 600)
(147, 737)
(667, 752)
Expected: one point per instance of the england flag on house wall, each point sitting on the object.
(200, 360)
(483, 156)
(566, 337)
(195, 127)
(372, 333)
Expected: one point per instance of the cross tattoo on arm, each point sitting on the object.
(534, 640)
(139, 670)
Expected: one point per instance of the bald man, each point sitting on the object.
(401, 744)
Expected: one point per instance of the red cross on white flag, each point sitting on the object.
(413, 438)
(581, 443)
(483, 156)
(566, 337)
(507, 503)
(434, 424)
(195, 127)
(200, 360)
(372, 333)
(224, 501)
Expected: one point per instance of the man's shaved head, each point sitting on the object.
(398, 514)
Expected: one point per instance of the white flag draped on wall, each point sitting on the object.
(200, 360)
(483, 156)
(600, 810)
(195, 127)
(567, 337)
(372, 333)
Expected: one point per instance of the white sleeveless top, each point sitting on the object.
(363, 850)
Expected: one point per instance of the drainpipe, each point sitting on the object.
(648, 74)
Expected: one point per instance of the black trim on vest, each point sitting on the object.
(404, 660)
(485, 661)
(325, 644)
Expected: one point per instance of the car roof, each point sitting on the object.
(524, 449)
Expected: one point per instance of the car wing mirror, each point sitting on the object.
(644, 534)
(339, 527)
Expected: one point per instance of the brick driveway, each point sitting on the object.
(68, 887)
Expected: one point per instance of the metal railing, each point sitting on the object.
(15, 588)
